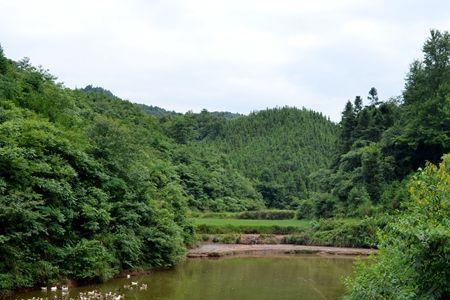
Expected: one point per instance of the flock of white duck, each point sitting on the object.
(90, 295)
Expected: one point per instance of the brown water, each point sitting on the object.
(279, 278)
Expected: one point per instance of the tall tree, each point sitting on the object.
(373, 96)
(358, 104)
(3, 62)
(424, 129)
(347, 124)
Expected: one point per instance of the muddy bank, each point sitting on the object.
(219, 250)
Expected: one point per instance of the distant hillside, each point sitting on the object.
(278, 149)
(226, 115)
(97, 90)
(161, 112)
(156, 111)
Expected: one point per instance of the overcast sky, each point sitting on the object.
(229, 55)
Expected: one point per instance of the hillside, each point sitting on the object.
(91, 185)
(278, 149)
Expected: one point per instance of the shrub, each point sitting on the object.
(89, 260)
(305, 209)
(339, 233)
(318, 205)
(219, 215)
(226, 239)
(414, 249)
(251, 229)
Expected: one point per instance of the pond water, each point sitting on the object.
(233, 278)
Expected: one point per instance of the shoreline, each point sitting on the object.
(216, 250)
(221, 250)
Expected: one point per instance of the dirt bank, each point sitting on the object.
(218, 250)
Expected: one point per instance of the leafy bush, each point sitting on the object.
(89, 260)
(87, 188)
(305, 209)
(251, 229)
(226, 239)
(414, 249)
(318, 205)
(339, 233)
(221, 215)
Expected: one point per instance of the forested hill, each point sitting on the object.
(278, 149)
(91, 184)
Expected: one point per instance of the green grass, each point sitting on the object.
(246, 222)
(217, 225)
(348, 232)
(264, 214)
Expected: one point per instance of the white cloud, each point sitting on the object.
(237, 55)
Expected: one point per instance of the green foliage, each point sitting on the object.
(278, 149)
(318, 205)
(211, 182)
(422, 134)
(89, 260)
(382, 143)
(414, 249)
(214, 215)
(156, 111)
(91, 185)
(230, 238)
(87, 184)
(306, 209)
(267, 214)
(230, 153)
(222, 226)
(339, 233)
(3, 62)
(359, 202)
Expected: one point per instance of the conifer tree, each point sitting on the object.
(373, 96)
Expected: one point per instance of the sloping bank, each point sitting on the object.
(351, 233)
(220, 250)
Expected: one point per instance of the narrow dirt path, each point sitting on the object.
(218, 250)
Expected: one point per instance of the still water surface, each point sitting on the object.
(250, 278)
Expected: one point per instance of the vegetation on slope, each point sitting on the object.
(382, 143)
(91, 184)
(414, 250)
(86, 186)
(414, 257)
(278, 149)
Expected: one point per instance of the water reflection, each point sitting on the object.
(287, 277)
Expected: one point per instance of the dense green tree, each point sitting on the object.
(358, 104)
(413, 259)
(91, 184)
(278, 149)
(3, 62)
(423, 131)
(373, 96)
(87, 186)
(347, 130)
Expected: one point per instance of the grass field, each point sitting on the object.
(325, 232)
(244, 222)
(217, 225)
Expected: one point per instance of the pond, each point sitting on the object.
(233, 278)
